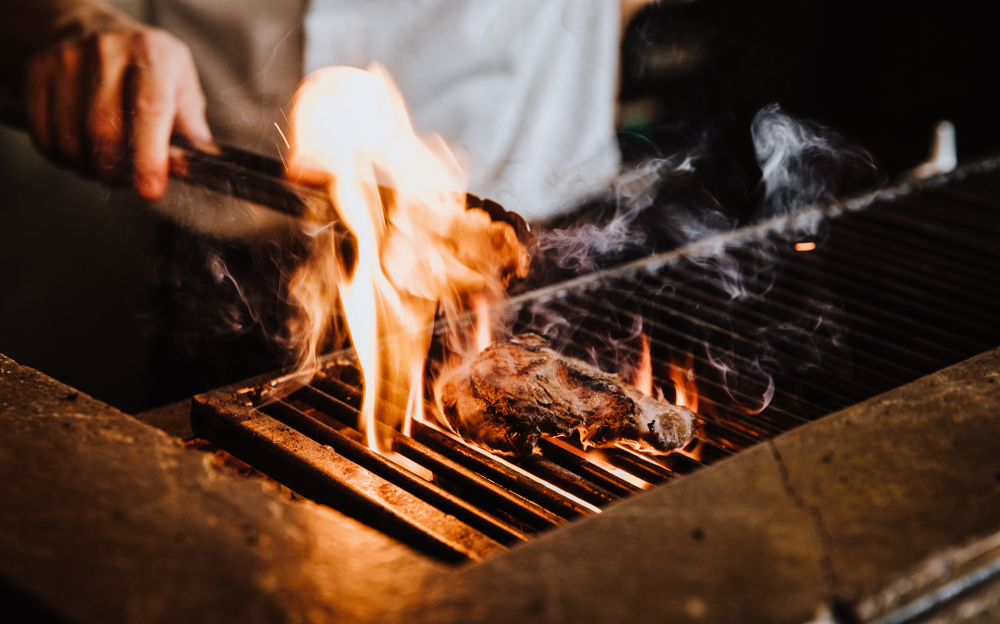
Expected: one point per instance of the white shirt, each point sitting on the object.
(523, 90)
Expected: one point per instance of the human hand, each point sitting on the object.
(105, 103)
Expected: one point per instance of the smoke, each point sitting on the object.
(219, 313)
(748, 338)
(805, 164)
(583, 247)
(224, 291)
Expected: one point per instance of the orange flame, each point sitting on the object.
(684, 384)
(484, 335)
(397, 244)
(643, 377)
(599, 459)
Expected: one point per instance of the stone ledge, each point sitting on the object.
(106, 519)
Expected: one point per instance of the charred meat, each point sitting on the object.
(518, 390)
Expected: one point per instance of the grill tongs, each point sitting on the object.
(254, 177)
(244, 175)
(261, 180)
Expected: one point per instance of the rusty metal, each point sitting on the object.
(498, 472)
(567, 480)
(587, 469)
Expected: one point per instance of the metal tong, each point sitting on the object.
(232, 171)
(256, 178)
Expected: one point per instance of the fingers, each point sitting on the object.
(38, 77)
(151, 100)
(105, 119)
(106, 105)
(190, 120)
(66, 110)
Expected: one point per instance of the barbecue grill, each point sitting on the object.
(899, 284)
(893, 286)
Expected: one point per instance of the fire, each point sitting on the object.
(599, 458)
(396, 246)
(484, 335)
(809, 246)
(643, 377)
(684, 386)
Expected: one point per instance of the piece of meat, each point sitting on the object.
(518, 390)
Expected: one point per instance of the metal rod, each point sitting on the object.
(587, 468)
(231, 171)
(567, 480)
(493, 470)
(762, 428)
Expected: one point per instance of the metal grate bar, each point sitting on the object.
(748, 431)
(555, 506)
(474, 459)
(778, 420)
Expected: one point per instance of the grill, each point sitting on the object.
(900, 283)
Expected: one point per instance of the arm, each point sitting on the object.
(103, 93)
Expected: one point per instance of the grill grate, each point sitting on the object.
(901, 284)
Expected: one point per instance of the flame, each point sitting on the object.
(484, 335)
(643, 377)
(396, 245)
(684, 385)
(599, 458)
(805, 246)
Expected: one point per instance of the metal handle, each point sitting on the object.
(233, 171)
(254, 177)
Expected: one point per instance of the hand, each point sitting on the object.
(106, 103)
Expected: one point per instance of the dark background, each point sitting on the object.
(881, 72)
(79, 264)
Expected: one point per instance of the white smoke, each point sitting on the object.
(659, 205)
(581, 246)
(805, 164)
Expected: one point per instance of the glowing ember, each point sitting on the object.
(805, 246)
(684, 386)
(397, 246)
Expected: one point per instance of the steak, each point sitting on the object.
(518, 390)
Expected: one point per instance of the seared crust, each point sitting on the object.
(519, 390)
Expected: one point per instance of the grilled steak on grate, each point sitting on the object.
(518, 390)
